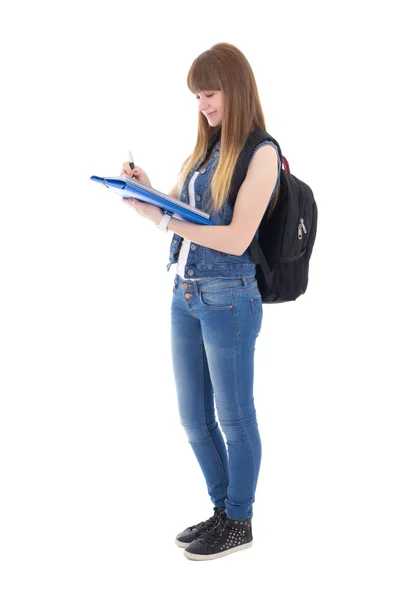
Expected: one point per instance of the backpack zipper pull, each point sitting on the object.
(300, 227)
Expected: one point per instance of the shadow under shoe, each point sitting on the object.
(191, 533)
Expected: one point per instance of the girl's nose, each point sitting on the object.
(203, 106)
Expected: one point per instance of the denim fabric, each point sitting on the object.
(203, 262)
(214, 326)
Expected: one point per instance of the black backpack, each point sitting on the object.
(286, 234)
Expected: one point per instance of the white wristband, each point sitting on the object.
(164, 222)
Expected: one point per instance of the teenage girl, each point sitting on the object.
(216, 310)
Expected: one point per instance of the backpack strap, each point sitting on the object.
(240, 172)
(255, 137)
(260, 259)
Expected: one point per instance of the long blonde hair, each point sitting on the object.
(224, 67)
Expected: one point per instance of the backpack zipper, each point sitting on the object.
(300, 228)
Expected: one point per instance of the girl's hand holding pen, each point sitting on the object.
(144, 209)
(137, 173)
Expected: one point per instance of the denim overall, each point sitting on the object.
(215, 322)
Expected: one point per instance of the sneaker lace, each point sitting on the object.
(211, 521)
(213, 534)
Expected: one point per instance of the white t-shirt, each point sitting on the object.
(185, 247)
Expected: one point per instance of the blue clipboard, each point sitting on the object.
(128, 187)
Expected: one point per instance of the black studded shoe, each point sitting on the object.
(226, 537)
(191, 533)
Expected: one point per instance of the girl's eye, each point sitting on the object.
(207, 96)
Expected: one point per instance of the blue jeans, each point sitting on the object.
(214, 326)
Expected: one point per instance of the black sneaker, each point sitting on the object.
(191, 533)
(226, 537)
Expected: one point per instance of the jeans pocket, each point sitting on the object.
(257, 308)
(217, 299)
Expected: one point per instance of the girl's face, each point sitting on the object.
(211, 104)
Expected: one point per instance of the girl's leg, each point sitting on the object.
(231, 322)
(196, 399)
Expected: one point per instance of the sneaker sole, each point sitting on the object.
(181, 544)
(192, 556)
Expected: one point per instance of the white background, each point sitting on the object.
(97, 475)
